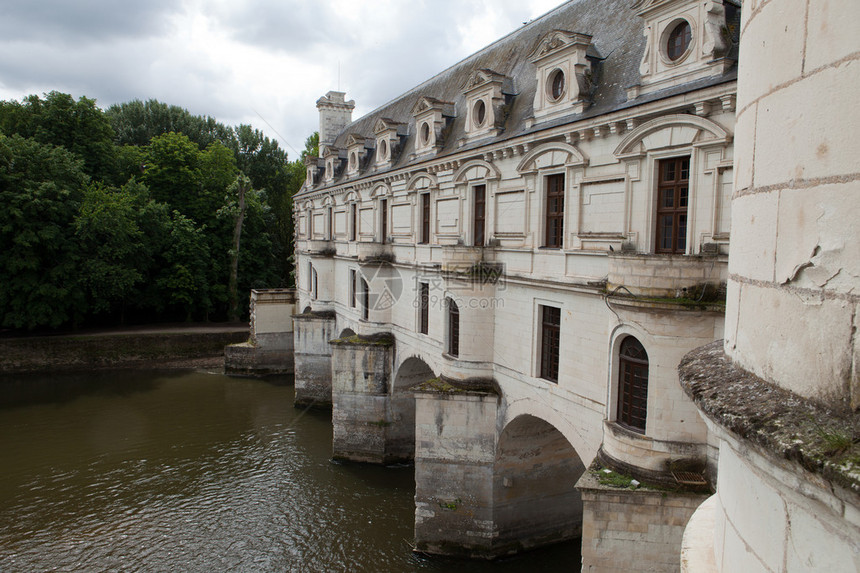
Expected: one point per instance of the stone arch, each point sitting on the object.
(400, 439)
(351, 197)
(672, 131)
(535, 501)
(412, 184)
(327, 201)
(346, 333)
(380, 190)
(551, 154)
(476, 169)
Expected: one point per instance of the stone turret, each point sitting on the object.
(335, 115)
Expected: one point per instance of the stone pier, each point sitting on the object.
(313, 333)
(363, 419)
(269, 348)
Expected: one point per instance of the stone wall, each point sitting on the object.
(108, 350)
(312, 351)
(269, 348)
(665, 275)
(628, 531)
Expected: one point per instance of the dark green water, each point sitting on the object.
(161, 471)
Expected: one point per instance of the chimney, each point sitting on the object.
(335, 115)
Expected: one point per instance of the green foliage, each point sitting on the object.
(132, 212)
(78, 126)
(41, 189)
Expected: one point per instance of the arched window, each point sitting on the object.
(453, 328)
(632, 385)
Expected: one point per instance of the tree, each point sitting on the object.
(109, 235)
(41, 189)
(79, 126)
(239, 188)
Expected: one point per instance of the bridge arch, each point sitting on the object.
(401, 407)
(535, 501)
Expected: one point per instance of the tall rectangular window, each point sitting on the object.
(453, 328)
(310, 276)
(423, 308)
(554, 210)
(353, 287)
(365, 300)
(315, 283)
(425, 218)
(383, 207)
(549, 342)
(353, 215)
(673, 191)
(480, 214)
(330, 215)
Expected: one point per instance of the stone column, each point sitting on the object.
(312, 352)
(794, 261)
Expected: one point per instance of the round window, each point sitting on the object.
(678, 41)
(353, 159)
(479, 113)
(425, 133)
(556, 85)
(383, 149)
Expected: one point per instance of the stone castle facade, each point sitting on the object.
(499, 272)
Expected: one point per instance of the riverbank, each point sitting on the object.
(199, 345)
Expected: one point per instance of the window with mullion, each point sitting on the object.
(550, 339)
(554, 210)
(673, 190)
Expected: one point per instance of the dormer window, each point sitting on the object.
(388, 133)
(486, 94)
(563, 67)
(686, 40)
(678, 41)
(431, 116)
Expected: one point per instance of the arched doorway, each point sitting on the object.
(535, 501)
(401, 432)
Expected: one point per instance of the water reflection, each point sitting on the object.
(194, 471)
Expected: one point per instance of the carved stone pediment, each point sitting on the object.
(558, 40)
(426, 103)
(384, 124)
(481, 77)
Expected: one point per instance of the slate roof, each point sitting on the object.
(618, 40)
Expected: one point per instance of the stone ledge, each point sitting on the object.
(469, 386)
(316, 314)
(378, 339)
(822, 440)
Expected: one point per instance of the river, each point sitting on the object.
(196, 471)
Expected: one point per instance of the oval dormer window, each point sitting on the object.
(679, 40)
(556, 85)
(383, 149)
(353, 160)
(479, 112)
(425, 133)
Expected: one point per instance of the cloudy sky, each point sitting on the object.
(263, 62)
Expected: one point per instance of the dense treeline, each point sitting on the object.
(141, 212)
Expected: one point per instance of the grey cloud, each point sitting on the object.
(83, 21)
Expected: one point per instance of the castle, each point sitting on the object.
(500, 271)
